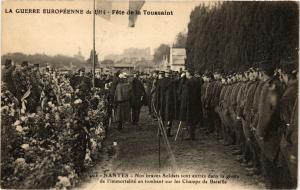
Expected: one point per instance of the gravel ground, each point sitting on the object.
(136, 152)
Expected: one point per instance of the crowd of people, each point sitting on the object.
(53, 124)
(254, 111)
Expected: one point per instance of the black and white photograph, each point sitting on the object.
(149, 94)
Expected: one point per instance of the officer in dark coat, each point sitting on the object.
(179, 90)
(136, 100)
(190, 108)
(166, 102)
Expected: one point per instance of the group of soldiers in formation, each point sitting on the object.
(255, 112)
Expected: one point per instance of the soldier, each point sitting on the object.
(148, 87)
(166, 102)
(288, 144)
(206, 89)
(122, 97)
(190, 108)
(221, 109)
(217, 85)
(179, 91)
(153, 94)
(136, 100)
(267, 129)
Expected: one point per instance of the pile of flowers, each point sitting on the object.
(40, 150)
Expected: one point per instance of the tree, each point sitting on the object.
(234, 36)
(180, 40)
(90, 60)
(161, 53)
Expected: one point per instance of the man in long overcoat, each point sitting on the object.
(122, 98)
(166, 102)
(136, 100)
(190, 108)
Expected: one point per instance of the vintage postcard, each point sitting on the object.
(149, 94)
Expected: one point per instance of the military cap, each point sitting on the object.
(210, 75)
(37, 65)
(267, 67)
(8, 62)
(289, 67)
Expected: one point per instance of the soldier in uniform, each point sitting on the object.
(220, 109)
(245, 116)
(190, 108)
(267, 130)
(136, 100)
(217, 86)
(148, 88)
(156, 93)
(205, 97)
(288, 106)
(179, 90)
(166, 102)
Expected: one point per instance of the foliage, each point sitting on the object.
(57, 61)
(180, 41)
(237, 35)
(90, 59)
(161, 53)
(41, 150)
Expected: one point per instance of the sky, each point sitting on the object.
(64, 34)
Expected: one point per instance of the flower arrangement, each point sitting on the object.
(47, 149)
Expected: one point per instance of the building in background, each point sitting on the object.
(177, 59)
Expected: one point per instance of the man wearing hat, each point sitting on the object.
(153, 94)
(166, 101)
(136, 101)
(8, 76)
(268, 126)
(156, 92)
(190, 108)
(179, 90)
(122, 96)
